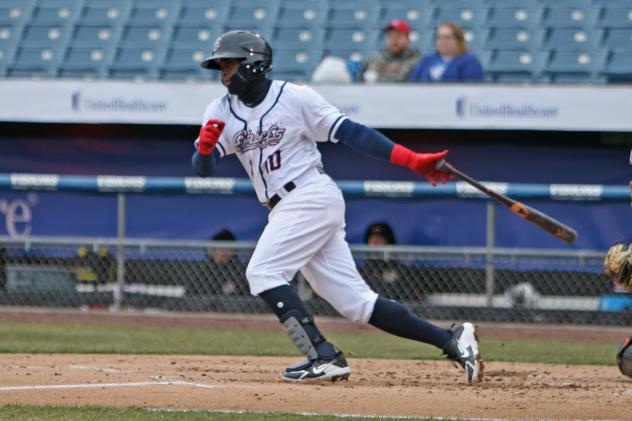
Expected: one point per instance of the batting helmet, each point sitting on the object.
(624, 357)
(250, 47)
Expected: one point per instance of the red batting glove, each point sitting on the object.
(421, 163)
(209, 135)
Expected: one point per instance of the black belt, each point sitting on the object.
(274, 200)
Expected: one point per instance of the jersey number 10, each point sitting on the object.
(273, 162)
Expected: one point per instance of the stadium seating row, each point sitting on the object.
(347, 14)
(172, 63)
(522, 40)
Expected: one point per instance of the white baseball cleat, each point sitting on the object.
(463, 349)
(318, 369)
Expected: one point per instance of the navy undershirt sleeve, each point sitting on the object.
(365, 140)
(204, 165)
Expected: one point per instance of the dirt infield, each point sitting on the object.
(376, 387)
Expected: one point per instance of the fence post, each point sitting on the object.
(117, 292)
(489, 266)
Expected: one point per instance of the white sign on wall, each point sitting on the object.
(541, 107)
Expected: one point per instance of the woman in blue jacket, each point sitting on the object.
(452, 62)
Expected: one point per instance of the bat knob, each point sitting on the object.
(439, 164)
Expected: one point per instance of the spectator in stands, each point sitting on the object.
(226, 267)
(394, 63)
(332, 70)
(92, 267)
(386, 276)
(452, 61)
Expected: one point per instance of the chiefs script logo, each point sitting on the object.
(246, 140)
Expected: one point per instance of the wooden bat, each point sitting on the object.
(551, 225)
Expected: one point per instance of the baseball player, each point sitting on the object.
(273, 128)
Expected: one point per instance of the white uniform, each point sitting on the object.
(276, 143)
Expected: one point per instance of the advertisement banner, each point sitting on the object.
(401, 106)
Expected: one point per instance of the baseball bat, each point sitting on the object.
(550, 225)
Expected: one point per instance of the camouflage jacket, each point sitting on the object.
(389, 67)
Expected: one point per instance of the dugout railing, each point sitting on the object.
(477, 283)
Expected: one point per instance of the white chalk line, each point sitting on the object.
(105, 385)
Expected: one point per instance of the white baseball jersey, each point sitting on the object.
(276, 140)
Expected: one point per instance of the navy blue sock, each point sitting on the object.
(394, 318)
(285, 303)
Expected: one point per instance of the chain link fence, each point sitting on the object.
(478, 284)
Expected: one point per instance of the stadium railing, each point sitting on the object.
(477, 283)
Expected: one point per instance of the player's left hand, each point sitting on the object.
(209, 136)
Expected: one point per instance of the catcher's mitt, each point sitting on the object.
(624, 357)
(618, 265)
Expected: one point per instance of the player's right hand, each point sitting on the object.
(209, 136)
(421, 163)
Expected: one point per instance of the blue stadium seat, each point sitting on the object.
(485, 57)
(93, 36)
(354, 14)
(45, 36)
(6, 58)
(130, 63)
(476, 39)
(256, 3)
(470, 4)
(298, 39)
(513, 17)
(83, 62)
(406, 4)
(145, 36)
(517, 65)
(419, 19)
(194, 37)
(301, 14)
(106, 13)
(210, 13)
(345, 40)
(570, 17)
(577, 79)
(619, 66)
(613, 3)
(13, 12)
(616, 17)
(618, 39)
(516, 39)
(572, 66)
(510, 78)
(576, 4)
(153, 12)
(465, 16)
(296, 65)
(562, 39)
(35, 62)
(10, 36)
(261, 16)
(266, 30)
(56, 12)
(525, 4)
(183, 64)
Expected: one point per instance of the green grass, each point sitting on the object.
(36, 413)
(97, 338)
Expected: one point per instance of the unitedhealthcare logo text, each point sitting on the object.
(80, 103)
(467, 108)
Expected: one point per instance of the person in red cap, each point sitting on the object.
(394, 63)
